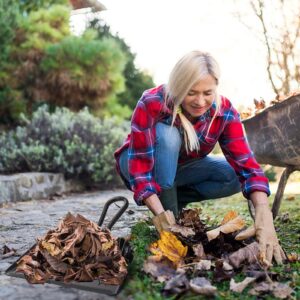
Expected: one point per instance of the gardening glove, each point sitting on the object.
(164, 220)
(245, 234)
(266, 235)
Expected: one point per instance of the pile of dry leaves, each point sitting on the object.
(260, 105)
(184, 257)
(78, 249)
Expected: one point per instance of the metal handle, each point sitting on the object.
(117, 215)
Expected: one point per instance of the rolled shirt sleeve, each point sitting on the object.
(141, 148)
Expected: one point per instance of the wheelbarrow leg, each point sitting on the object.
(280, 190)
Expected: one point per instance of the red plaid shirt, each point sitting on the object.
(225, 129)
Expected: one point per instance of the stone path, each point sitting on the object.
(21, 223)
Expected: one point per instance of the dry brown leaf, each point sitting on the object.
(238, 287)
(202, 286)
(203, 265)
(279, 290)
(162, 270)
(169, 246)
(232, 214)
(293, 257)
(55, 263)
(182, 230)
(248, 254)
(227, 266)
(199, 250)
(176, 285)
(51, 248)
(107, 245)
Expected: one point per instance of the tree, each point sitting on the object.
(9, 15)
(27, 6)
(279, 26)
(49, 65)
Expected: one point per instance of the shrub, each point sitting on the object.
(270, 172)
(78, 145)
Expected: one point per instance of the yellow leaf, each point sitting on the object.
(107, 245)
(169, 246)
(229, 216)
(51, 248)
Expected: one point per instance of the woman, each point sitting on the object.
(165, 161)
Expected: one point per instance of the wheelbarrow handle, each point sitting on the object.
(117, 215)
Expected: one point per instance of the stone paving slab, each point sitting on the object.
(21, 223)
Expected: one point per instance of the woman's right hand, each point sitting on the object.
(162, 219)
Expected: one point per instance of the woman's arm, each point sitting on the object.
(154, 204)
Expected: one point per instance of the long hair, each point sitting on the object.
(191, 68)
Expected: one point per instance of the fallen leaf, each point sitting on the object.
(282, 290)
(202, 286)
(220, 274)
(190, 218)
(51, 248)
(203, 265)
(227, 266)
(169, 246)
(199, 251)
(293, 257)
(182, 230)
(55, 263)
(162, 270)
(176, 285)
(238, 287)
(248, 254)
(279, 290)
(232, 214)
(8, 252)
(107, 245)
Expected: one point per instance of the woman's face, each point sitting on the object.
(200, 97)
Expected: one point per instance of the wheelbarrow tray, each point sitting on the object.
(91, 286)
(273, 134)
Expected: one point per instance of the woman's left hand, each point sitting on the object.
(266, 235)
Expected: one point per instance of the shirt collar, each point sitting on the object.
(208, 115)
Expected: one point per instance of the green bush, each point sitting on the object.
(270, 172)
(78, 145)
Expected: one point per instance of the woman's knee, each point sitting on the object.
(167, 146)
(168, 137)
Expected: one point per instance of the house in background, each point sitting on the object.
(83, 12)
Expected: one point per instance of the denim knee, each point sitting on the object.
(167, 146)
(168, 137)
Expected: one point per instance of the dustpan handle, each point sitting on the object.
(117, 215)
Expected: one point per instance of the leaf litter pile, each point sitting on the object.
(79, 250)
(192, 257)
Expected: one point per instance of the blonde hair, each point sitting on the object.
(186, 73)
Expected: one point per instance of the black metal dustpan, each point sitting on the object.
(93, 286)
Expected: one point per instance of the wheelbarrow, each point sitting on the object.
(274, 137)
(93, 286)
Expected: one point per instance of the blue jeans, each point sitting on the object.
(210, 177)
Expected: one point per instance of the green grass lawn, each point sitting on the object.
(140, 286)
